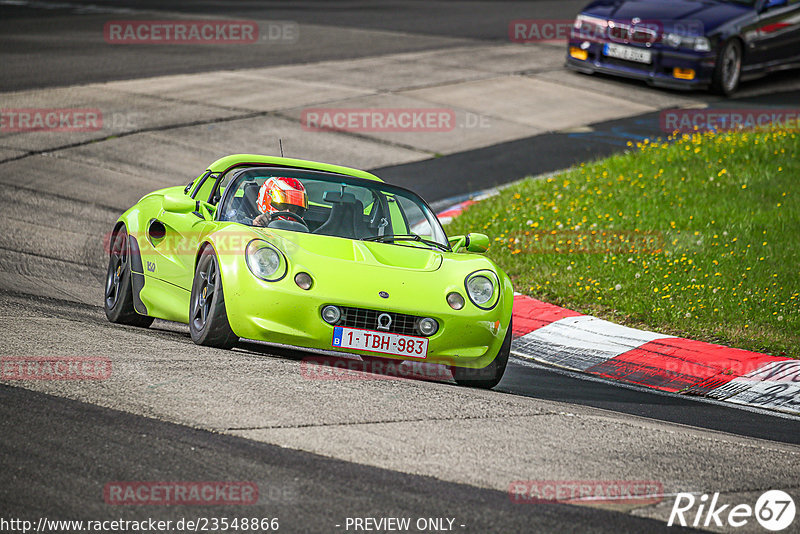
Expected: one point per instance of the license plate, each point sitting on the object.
(628, 53)
(383, 342)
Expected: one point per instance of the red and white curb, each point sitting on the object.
(455, 209)
(564, 338)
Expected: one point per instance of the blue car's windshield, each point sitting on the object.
(328, 204)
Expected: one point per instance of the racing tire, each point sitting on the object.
(728, 70)
(118, 295)
(208, 319)
(489, 376)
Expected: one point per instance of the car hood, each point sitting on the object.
(320, 248)
(709, 13)
(356, 273)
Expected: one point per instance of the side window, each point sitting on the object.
(220, 185)
(194, 184)
(316, 190)
(203, 191)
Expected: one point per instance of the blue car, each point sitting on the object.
(686, 44)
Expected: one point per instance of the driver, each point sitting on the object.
(280, 194)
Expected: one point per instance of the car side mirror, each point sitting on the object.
(471, 243)
(477, 243)
(178, 203)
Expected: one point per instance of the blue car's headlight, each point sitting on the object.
(265, 261)
(587, 25)
(696, 43)
(483, 289)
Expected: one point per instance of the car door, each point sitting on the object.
(777, 33)
(174, 237)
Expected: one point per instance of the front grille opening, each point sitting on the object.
(368, 319)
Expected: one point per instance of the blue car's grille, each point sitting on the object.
(368, 319)
(621, 32)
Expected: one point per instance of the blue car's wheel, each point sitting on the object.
(489, 376)
(728, 71)
(208, 320)
(118, 299)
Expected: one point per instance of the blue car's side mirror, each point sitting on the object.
(769, 4)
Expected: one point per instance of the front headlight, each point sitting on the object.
(698, 44)
(265, 261)
(482, 289)
(702, 44)
(588, 27)
(585, 21)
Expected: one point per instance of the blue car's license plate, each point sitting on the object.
(628, 53)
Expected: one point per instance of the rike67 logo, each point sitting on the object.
(774, 510)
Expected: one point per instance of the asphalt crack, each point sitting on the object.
(389, 421)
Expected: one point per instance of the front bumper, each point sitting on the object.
(280, 312)
(660, 72)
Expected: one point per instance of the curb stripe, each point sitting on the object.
(565, 338)
(580, 343)
(531, 314)
(678, 364)
(775, 385)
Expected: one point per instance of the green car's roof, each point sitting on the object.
(236, 160)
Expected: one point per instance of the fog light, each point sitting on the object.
(331, 314)
(428, 326)
(303, 280)
(683, 74)
(455, 301)
(578, 53)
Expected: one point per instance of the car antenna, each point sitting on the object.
(280, 144)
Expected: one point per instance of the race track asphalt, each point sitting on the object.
(319, 451)
(58, 455)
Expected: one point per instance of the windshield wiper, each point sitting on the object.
(406, 237)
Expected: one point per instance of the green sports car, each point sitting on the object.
(314, 256)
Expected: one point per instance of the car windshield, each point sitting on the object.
(336, 205)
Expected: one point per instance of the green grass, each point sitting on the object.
(699, 237)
